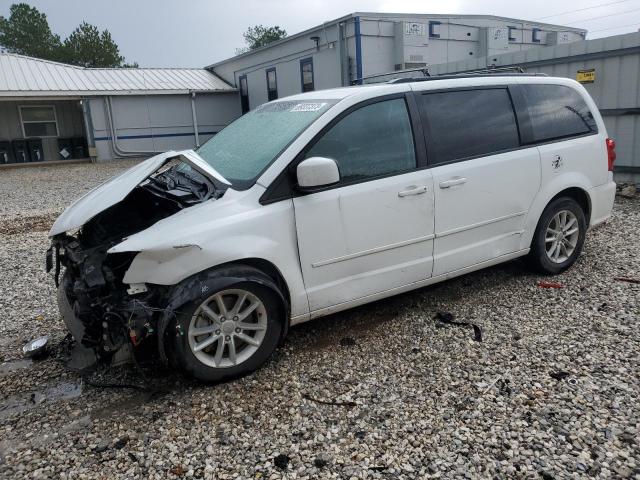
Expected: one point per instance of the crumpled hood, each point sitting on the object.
(117, 188)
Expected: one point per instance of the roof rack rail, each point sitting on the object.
(485, 72)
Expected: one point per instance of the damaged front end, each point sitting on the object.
(107, 317)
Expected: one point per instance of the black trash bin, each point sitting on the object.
(65, 148)
(79, 147)
(6, 152)
(20, 151)
(35, 149)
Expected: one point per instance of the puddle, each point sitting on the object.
(8, 367)
(26, 401)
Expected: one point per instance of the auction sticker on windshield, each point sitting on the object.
(308, 107)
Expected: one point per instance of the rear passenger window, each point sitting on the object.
(557, 111)
(468, 123)
(373, 141)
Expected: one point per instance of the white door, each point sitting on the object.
(484, 182)
(373, 231)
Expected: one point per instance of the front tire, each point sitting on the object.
(228, 333)
(559, 237)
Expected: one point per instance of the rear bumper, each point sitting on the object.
(602, 198)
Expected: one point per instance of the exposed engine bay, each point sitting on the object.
(105, 315)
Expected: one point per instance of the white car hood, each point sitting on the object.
(117, 188)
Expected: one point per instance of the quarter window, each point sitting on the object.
(375, 140)
(39, 121)
(468, 123)
(557, 111)
(272, 84)
(306, 74)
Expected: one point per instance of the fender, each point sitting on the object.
(549, 190)
(210, 281)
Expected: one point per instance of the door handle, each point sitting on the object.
(413, 190)
(453, 182)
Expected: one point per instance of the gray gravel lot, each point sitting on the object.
(381, 391)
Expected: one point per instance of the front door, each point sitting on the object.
(374, 231)
(484, 181)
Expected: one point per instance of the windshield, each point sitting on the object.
(245, 148)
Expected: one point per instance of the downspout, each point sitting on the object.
(358, 51)
(88, 126)
(112, 133)
(195, 119)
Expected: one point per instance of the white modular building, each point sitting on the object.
(51, 111)
(357, 47)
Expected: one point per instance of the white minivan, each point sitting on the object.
(322, 201)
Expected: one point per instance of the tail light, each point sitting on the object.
(611, 152)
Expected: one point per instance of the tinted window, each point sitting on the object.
(306, 74)
(468, 123)
(272, 84)
(372, 141)
(557, 111)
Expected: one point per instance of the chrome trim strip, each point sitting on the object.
(479, 224)
(391, 246)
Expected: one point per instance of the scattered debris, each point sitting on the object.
(178, 470)
(281, 461)
(329, 402)
(322, 460)
(347, 342)
(545, 284)
(560, 375)
(628, 191)
(447, 318)
(102, 446)
(37, 348)
(8, 367)
(627, 279)
(121, 442)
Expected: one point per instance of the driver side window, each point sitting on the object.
(373, 141)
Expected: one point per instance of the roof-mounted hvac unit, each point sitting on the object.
(411, 43)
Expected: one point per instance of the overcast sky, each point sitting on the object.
(196, 33)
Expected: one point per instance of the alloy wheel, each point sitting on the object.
(562, 236)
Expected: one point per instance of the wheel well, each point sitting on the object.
(269, 269)
(580, 196)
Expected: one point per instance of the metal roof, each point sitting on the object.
(22, 76)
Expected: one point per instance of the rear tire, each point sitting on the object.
(559, 237)
(228, 333)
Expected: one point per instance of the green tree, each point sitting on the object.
(88, 47)
(27, 32)
(259, 36)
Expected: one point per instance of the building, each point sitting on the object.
(52, 111)
(361, 45)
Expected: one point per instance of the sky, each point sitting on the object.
(196, 33)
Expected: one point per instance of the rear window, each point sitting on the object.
(468, 123)
(557, 111)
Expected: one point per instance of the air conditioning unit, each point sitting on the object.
(493, 41)
(411, 43)
(558, 38)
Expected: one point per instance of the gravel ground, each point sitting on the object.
(381, 391)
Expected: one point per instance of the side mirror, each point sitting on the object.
(316, 172)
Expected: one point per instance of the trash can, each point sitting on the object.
(35, 149)
(20, 151)
(79, 147)
(6, 152)
(65, 148)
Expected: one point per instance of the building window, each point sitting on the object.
(306, 74)
(39, 121)
(534, 35)
(244, 93)
(432, 26)
(511, 38)
(272, 84)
